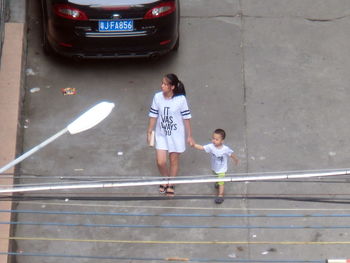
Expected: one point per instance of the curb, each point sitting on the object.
(10, 108)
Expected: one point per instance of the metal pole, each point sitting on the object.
(33, 150)
(168, 180)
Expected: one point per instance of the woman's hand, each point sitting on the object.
(150, 140)
(150, 130)
(191, 141)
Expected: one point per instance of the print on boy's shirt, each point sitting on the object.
(167, 123)
(218, 159)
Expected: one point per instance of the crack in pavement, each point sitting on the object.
(237, 15)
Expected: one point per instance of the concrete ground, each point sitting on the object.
(271, 73)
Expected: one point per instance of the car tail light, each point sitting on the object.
(69, 12)
(160, 10)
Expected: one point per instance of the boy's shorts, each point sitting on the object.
(220, 175)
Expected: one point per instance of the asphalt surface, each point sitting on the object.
(273, 74)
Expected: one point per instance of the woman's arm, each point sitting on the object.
(187, 123)
(151, 123)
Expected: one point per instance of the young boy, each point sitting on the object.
(219, 156)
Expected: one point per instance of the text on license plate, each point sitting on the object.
(115, 25)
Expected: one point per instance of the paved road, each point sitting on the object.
(272, 73)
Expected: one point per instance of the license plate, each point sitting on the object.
(115, 25)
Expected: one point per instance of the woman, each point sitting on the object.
(171, 115)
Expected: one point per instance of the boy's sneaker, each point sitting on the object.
(219, 200)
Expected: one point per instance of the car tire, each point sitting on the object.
(177, 44)
(45, 43)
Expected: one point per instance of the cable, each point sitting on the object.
(177, 197)
(269, 227)
(180, 242)
(192, 208)
(181, 259)
(246, 215)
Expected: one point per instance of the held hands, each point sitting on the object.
(191, 141)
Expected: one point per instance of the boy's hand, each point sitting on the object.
(235, 159)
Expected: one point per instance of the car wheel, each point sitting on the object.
(177, 44)
(45, 43)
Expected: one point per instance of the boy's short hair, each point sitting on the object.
(221, 132)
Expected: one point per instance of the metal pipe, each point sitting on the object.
(33, 150)
(169, 180)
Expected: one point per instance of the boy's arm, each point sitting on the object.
(235, 158)
(198, 146)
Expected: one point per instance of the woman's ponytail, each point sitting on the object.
(179, 86)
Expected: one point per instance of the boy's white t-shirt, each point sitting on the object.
(170, 113)
(219, 157)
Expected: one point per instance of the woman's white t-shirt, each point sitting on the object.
(170, 113)
(219, 157)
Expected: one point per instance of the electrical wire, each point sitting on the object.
(331, 199)
(172, 226)
(172, 259)
(192, 208)
(242, 215)
(178, 242)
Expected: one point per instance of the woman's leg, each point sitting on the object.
(174, 164)
(173, 170)
(161, 156)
